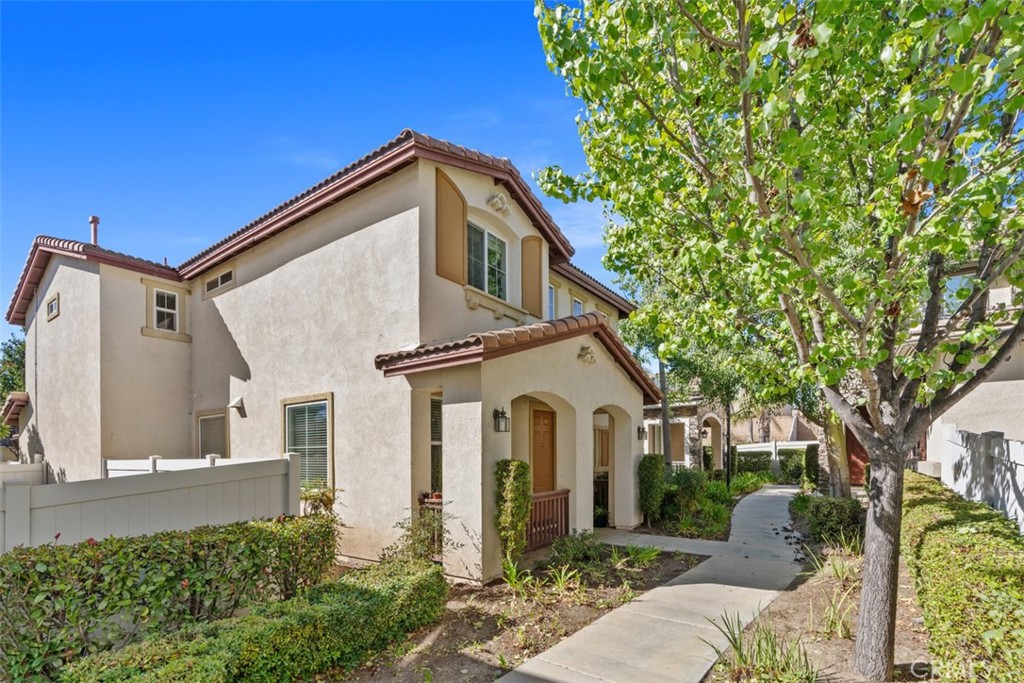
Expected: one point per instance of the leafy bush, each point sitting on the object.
(651, 476)
(425, 536)
(748, 482)
(799, 504)
(333, 625)
(753, 461)
(829, 518)
(577, 549)
(718, 492)
(513, 503)
(791, 463)
(63, 601)
(812, 467)
(681, 492)
(967, 561)
(707, 458)
(317, 498)
(709, 520)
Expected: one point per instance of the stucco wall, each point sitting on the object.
(62, 372)
(997, 405)
(444, 313)
(309, 311)
(566, 291)
(146, 381)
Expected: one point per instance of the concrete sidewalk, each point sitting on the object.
(658, 637)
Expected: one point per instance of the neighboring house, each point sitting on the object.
(402, 325)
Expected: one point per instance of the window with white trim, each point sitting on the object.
(488, 261)
(165, 310)
(551, 302)
(213, 436)
(220, 281)
(577, 307)
(436, 449)
(307, 433)
(53, 307)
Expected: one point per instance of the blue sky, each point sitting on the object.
(177, 123)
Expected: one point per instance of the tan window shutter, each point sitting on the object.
(533, 300)
(451, 230)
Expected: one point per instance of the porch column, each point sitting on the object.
(463, 481)
(581, 509)
(627, 454)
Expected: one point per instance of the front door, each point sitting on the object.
(543, 451)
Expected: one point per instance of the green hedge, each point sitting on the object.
(651, 480)
(791, 464)
(513, 499)
(753, 461)
(60, 602)
(968, 566)
(337, 624)
(830, 519)
(811, 466)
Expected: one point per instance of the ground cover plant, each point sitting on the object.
(61, 602)
(967, 561)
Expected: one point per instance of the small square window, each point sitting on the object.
(577, 307)
(53, 307)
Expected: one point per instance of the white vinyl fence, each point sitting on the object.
(147, 503)
(985, 468)
(155, 463)
(33, 473)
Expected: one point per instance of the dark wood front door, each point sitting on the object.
(856, 457)
(543, 451)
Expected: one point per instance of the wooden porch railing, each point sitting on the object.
(549, 518)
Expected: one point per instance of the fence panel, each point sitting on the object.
(985, 468)
(148, 503)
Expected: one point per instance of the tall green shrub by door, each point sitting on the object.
(513, 499)
(651, 475)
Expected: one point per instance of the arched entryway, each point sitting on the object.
(711, 435)
(543, 434)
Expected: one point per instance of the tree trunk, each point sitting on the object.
(876, 623)
(666, 425)
(835, 451)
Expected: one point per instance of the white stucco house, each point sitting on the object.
(403, 324)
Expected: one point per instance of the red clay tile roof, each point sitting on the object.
(378, 164)
(482, 346)
(39, 257)
(13, 404)
(572, 272)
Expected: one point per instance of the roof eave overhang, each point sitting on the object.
(39, 259)
(621, 304)
(373, 171)
(12, 407)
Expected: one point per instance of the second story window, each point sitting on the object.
(551, 302)
(577, 307)
(165, 309)
(488, 261)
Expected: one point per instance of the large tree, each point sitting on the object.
(854, 165)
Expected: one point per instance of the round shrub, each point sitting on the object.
(831, 518)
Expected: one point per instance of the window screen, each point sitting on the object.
(435, 445)
(213, 436)
(306, 434)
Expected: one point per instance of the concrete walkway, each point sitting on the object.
(658, 637)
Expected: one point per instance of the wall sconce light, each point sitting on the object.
(641, 433)
(239, 405)
(704, 433)
(502, 423)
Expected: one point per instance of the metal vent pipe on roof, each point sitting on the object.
(94, 221)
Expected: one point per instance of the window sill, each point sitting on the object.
(164, 334)
(476, 298)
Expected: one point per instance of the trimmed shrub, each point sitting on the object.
(812, 467)
(707, 458)
(651, 476)
(337, 624)
(748, 482)
(830, 518)
(967, 561)
(753, 461)
(791, 463)
(577, 549)
(513, 500)
(63, 601)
